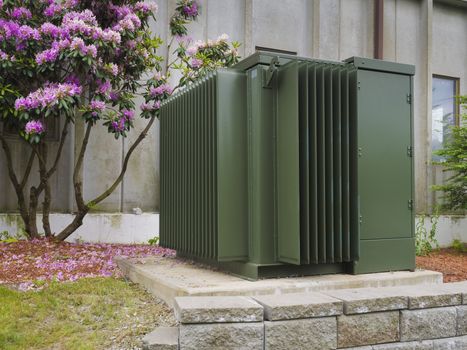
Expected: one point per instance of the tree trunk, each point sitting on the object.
(73, 226)
(30, 227)
(46, 185)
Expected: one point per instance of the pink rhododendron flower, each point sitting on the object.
(160, 90)
(196, 62)
(47, 96)
(97, 105)
(20, 13)
(191, 10)
(34, 127)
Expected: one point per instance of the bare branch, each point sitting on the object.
(27, 172)
(9, 161)
(60, 147)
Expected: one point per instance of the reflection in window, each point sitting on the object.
(443, 112)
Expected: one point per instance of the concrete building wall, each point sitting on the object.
(427, 33)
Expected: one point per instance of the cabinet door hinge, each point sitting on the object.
(410, 151)
(410, 204)
(409, 99)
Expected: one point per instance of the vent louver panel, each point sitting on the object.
(188, 129)
(328, 161)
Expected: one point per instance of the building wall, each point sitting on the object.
(432, 36)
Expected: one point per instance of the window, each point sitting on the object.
(444, 111)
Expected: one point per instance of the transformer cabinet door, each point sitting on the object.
(385, 172)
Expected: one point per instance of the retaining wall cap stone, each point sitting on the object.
(217, 309)
(460, 287)
(365, 300)
(429, 296)
(298, 305)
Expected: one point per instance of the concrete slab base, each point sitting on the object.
(168, 278)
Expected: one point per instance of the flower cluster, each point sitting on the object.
(150, 107)
(201, 45)
(121, 122)
(158, 90)
(20, 13)
(6, 57)
(200, 57)
(34, 127)
(48, 96)
(190, 9)
(12, 30)
(186, 10)
(146, 7)
(56, 7)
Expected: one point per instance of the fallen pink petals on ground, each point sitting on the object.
(24, 263)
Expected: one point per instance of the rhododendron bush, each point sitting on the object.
(85, 61)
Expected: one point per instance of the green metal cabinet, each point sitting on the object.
(291, 166)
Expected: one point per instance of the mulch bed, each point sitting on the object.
(24, 263)
(452, 263)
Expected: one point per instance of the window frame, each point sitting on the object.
(457, 109)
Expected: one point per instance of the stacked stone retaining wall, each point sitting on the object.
(430, 317)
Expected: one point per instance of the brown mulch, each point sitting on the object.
(452, 263)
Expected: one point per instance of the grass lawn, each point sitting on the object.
(97, 313)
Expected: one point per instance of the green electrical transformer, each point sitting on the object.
(286, 166)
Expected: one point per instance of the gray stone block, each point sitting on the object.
(413, 345)
(365, 300)
(460, 287)
(428, 324)
(217, 309)
(368, 329)
(162, 338)
(423, 297)
(309, 334)
(222, 336)
(461, 320)
(298, 305)
(458, 343)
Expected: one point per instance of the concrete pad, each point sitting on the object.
(170, 277)
(298, 305)
(217, 309)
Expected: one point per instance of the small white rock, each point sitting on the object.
(137, 211)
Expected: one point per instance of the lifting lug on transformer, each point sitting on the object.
(269, 74)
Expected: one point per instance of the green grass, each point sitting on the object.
(88, 314)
